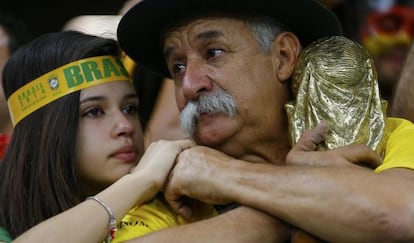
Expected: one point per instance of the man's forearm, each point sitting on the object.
(347, 204)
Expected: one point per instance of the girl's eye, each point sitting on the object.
(93, 113)
(130, 109)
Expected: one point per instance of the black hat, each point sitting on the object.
(140, 29)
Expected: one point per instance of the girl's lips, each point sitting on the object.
(127, 157)
(127, 154)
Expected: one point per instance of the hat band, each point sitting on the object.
(64, 80)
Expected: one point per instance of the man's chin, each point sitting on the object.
(209, 141)
(210, 137)
(213, 130)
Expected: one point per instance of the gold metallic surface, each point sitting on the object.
(335, 80)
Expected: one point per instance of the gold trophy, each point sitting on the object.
(335, 80)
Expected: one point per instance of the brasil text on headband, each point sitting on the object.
(64, 80)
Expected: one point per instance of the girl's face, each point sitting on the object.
(110, 140)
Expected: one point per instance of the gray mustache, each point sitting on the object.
(218, 102)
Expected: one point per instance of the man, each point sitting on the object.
(231, 62)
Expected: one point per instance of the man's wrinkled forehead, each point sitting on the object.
(203, 36)
(199, 29)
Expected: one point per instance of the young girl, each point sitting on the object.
(76, 142)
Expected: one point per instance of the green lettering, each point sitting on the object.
(42, 88)
(90, 71)
(73, 76)
(23, 98)
(34, 91)
(109, 67)
(122, 68)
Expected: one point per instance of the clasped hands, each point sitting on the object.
(201, 173)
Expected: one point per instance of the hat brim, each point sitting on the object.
(140, 29)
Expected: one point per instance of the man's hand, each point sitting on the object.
(197, 175)
(304, 154)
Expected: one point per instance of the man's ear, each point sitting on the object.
(286, 48)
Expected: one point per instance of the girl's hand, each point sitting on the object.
(159, 158)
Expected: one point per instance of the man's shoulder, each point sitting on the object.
(395, 123)
(398, 151)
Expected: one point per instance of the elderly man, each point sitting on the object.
(231, 62)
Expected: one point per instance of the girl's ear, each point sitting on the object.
(286, 49)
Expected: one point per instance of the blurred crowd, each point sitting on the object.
(13, 33)
(385, 28)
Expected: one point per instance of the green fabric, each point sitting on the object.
(5, 236)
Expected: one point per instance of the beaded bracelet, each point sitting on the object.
(112, 221)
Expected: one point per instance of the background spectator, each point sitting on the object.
(13, 34)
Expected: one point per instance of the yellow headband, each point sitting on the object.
(64, 80)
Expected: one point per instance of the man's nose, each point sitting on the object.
(196, 80)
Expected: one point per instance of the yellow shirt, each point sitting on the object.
(153, 216)
(399, 148)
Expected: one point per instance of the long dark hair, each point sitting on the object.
(38, 178)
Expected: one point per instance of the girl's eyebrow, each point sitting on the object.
(94, 98)
(91, 98)
(131, 95)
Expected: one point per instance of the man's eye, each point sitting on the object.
(214, 52)
(93, 113)
(130, 110)
(178, 68)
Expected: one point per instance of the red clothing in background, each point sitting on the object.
(4, 141)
